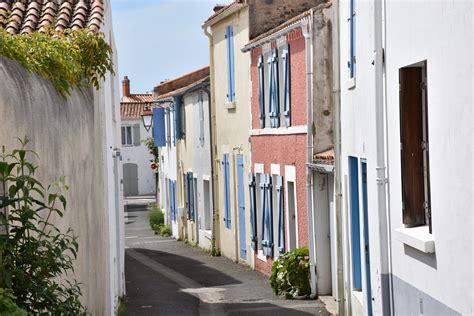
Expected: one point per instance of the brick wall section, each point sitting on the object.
(267, 14)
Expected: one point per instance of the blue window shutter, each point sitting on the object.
(285, 55)
(225, 163)
(352, 57)
(230, 64)
(267, 240)
(253, 215)
(281, 218)
(159, 127)
(355, 222)
(261, 91)
(178, 117)
(274, 89)
(191, 197)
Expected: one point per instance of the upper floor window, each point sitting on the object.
(229, 35)
(414, 147)
(131, 135)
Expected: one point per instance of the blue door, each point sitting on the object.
(366, 236)
(355, 222)
(241, 201)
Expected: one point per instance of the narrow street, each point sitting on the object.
(169, 277)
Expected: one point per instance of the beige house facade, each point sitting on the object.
(228, 32)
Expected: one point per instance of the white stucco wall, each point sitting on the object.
(140, 156)
(433, 284)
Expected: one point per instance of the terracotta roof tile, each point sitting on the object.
(183, 90)
(325, 156)
(181, 82)
(131, 107)
(234, 5)
(21, 16)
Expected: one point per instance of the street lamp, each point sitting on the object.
(147, 117)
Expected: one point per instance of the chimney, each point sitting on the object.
(218, 7)
(126, 87)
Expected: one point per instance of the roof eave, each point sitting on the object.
(225, 14)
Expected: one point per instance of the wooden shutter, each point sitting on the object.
(267, 240)
(124, 136)
(355, 222)
(261, 91)
(136, 135)
(159, 127)
(285, 55)
(191, 198)
(274, 90)
(225, 163)
(178, 117)
(168, 126)
(412, 145)
(230, 64)
(253, 214)
(281, 218)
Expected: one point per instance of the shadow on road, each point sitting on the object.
(193, 269)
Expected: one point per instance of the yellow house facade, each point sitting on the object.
(228, 32)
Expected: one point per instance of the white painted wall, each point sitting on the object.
(140, 156)
(443, 38)
(441, 33)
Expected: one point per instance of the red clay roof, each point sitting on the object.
(20, 16)
(181, 82)
(184, 89)
(132, 107)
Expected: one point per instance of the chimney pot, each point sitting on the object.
(126, 87)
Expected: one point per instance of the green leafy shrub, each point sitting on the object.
(165, 230)
(68, 59)
(8, 306)
(156, 216)
(36, 257)
(290, 274)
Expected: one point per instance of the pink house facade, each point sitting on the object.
(279, 219)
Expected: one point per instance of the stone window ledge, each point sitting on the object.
(416, 237)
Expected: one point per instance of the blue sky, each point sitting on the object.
(160, 39)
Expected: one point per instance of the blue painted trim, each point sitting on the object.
(355, 222)
(241, 202)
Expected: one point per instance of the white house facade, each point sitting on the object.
(406, 157)
(138, 177)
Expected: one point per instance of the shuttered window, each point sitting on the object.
(285, 56)
(274, 105)
(168, 127)
(261, 91)
(352, 45)
(226, 169)
(281, 218)
(230, 64)
(190, 195)
(178, 117)
(414, 147)
(253, 212)
(136, 135)
(159, 136)
(267, 216)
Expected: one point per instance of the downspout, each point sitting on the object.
(336, 90)
(214, 164)
(382, 179)
(308, 36)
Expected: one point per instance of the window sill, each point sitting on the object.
(301, 129)
(416, 237)
(261, 256)
(230, 105)
(351, 83)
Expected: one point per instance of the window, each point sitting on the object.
(227, 215)
(191, 196)
(285, 57)
(207, 205)
(261, 91)
(414, 147)
(127, 135)
(253, 212)
(352, 45)
(229, 35)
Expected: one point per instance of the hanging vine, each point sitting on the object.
(68, 59)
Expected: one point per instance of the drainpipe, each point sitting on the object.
(336, 91)
(213, 136)
(308, 36)
(382, 179)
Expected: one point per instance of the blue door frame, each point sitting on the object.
(366, 235)
(241, 202)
